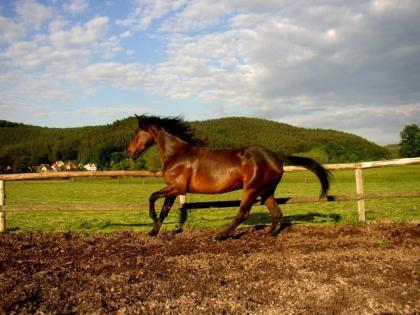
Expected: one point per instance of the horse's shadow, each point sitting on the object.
(260, 221)
(310, 217)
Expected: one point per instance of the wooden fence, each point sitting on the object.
(360, 195)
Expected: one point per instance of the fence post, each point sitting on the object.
(182, 200)
(2, 203)
(360, 194)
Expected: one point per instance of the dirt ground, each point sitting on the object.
(374, 269)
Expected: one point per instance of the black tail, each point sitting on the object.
(323, 175)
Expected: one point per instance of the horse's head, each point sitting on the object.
(142, 139)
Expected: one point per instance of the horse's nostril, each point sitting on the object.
(133, 155)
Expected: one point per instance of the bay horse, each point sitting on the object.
(191, 167)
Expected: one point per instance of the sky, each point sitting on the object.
(347, 65)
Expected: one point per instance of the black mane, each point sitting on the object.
(173, 125)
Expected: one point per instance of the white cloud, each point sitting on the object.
(290, 59)
(109, 47)
(27, 110)
(49, 65)
(123, 76)
(267, 6)
(57, 24)
(147, 11)
(331, 34)
(196, 15)
(126, 34)
(32, 55)
(84, 114)
(32, 13)
(362, 119)
(76, 6)
(113, 112)
(33, 87)
(395, 7)
(247, 20)
(80, 35)
(299, 60)
(10, 30)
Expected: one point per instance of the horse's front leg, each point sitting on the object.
(152, 212)
(169, 193)
(163, 213)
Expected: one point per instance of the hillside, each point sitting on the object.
(394, 150)
(323, 144)
(22, 146)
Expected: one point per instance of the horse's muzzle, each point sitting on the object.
(133, 155)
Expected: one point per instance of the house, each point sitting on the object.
(70, 166)
(42, 168)
(90, 167)
(57, 166)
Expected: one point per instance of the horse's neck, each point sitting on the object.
(168, 144)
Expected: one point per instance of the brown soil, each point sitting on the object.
(373, 269)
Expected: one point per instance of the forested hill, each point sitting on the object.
(22, 146)
(323, 144)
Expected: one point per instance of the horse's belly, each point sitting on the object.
(215, 183)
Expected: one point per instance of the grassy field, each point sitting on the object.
(137, 190)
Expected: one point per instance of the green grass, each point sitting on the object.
(137, 190)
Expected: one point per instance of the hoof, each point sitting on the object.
(221, 237)
(153, 233)
(177, 231)
(273, 232)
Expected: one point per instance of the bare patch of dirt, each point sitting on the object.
(341, 270)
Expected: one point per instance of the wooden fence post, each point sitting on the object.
(2, 203)
(360, 194)
(182, 200)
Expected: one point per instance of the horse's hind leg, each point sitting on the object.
(276, 214)
(248, 199)
(183, 216)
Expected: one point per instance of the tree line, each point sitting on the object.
(23, 146)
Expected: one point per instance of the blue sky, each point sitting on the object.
(346, 65)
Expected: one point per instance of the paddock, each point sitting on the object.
(367, 269)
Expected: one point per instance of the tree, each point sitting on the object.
(410, 141)
(152, 159)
